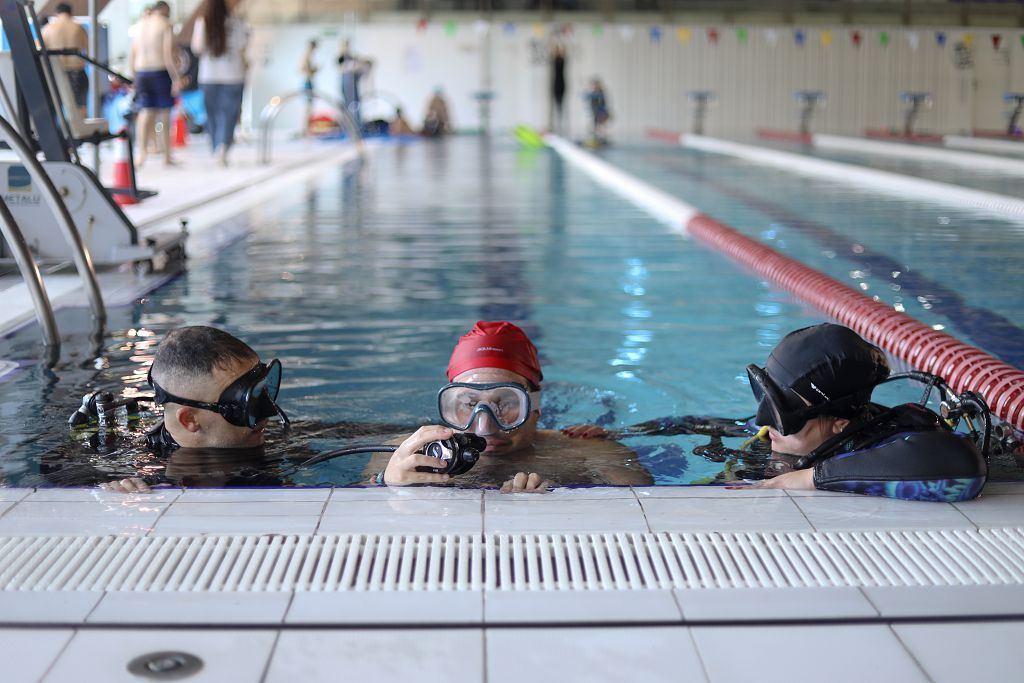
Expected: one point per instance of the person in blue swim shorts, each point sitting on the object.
(157, 81)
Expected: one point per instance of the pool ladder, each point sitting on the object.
(277, 102)
(22, 253)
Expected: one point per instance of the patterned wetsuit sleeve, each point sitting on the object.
(933, 465)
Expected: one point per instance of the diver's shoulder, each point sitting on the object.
(552, 438)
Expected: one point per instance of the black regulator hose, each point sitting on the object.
(350, 450)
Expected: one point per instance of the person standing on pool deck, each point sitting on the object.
(219, 39)
(63, 32)
(556, 111)
(156, 79)
(494, 391)
(308, 69)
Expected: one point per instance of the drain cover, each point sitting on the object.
(165, 666)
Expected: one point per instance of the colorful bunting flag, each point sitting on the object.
(421, 25)
(940, 38)
(883, 39)
(799, 37)
(913, 39)
(968, 40)
(771, 36)
(741, 36)
(450, 28)
(713, 36)
(856, 38)
(509, 28)
(996, 40)
(598, 30)
(826, 38)
(684, 35)
(655, 34)
(626, 32)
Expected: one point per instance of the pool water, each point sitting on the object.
(362, 283)
(950, 268)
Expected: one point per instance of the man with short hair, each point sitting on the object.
(215, 391)
(494, 392)
(63, 32)
(218, 394)
(156, 79)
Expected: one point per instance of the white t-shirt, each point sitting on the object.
(228, 67)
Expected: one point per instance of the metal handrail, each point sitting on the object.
(273, 108)
(34, 281)
(80, 253)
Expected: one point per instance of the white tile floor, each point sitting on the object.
(443, 510)
(940, 652)
(898, 652)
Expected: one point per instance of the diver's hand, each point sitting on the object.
(797, 479)
(129, 485)
(586, 431)
(401, 469)
(523, 483)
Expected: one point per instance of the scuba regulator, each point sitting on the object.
(101, 407)
(456, 454)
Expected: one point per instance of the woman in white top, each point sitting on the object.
(219, 39)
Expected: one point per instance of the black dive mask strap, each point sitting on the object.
(244, 402)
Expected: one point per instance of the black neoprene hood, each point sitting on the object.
(823, 363)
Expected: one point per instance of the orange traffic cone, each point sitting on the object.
(180, 129)
(123, 174)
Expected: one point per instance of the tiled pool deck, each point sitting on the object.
(882, 633)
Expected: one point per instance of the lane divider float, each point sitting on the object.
(963, 366)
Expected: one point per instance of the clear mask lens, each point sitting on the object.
(459, 405)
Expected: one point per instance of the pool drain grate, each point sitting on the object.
(509, 562)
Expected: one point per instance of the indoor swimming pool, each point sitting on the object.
(362, 282)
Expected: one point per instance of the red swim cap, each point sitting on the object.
(496, 345)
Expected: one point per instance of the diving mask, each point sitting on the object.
(787, 411)
(245, 402)
(507, 403)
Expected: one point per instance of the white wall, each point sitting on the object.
(647, 81)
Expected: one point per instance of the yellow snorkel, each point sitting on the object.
(762, 435)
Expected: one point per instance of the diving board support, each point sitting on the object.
(963, 366)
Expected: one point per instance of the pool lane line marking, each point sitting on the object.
(882, 182)
(994, 332)
(971, 160)
(903, 336)
(663, 206)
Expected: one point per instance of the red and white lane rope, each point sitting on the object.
(961, 365)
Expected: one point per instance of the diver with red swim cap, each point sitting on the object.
(496, 345)
(494, 391)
